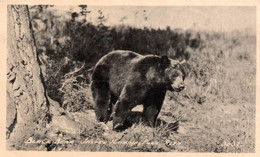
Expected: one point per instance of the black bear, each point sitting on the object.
(124, 79)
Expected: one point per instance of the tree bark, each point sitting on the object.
(27, 103)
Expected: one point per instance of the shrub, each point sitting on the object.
(76, 93)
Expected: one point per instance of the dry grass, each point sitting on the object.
(215, 112)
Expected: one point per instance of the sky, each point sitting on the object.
(185, 17)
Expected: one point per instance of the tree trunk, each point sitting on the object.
(27, 103)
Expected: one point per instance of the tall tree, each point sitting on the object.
(27, 103)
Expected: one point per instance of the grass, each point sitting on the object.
(214, 113)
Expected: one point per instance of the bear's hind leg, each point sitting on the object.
(102, 99)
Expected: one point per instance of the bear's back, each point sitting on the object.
(122, 63)
(118, 59)
(115, 67)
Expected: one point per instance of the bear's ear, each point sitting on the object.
(164, 61)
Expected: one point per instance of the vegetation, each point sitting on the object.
(214, 113)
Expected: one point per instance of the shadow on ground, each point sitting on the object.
(137, 117)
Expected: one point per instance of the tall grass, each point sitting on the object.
(215, 112)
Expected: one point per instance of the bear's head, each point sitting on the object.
(173, 74)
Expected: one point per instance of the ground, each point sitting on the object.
(189, 128)
(214, 113)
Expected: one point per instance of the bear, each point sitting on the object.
(124, 79)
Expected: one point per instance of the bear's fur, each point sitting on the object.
(125, 79)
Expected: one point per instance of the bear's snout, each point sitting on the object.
(178, 88)
(181, 87)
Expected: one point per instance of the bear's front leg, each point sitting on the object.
(153, 104)
(130, 97)
(151, 113)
